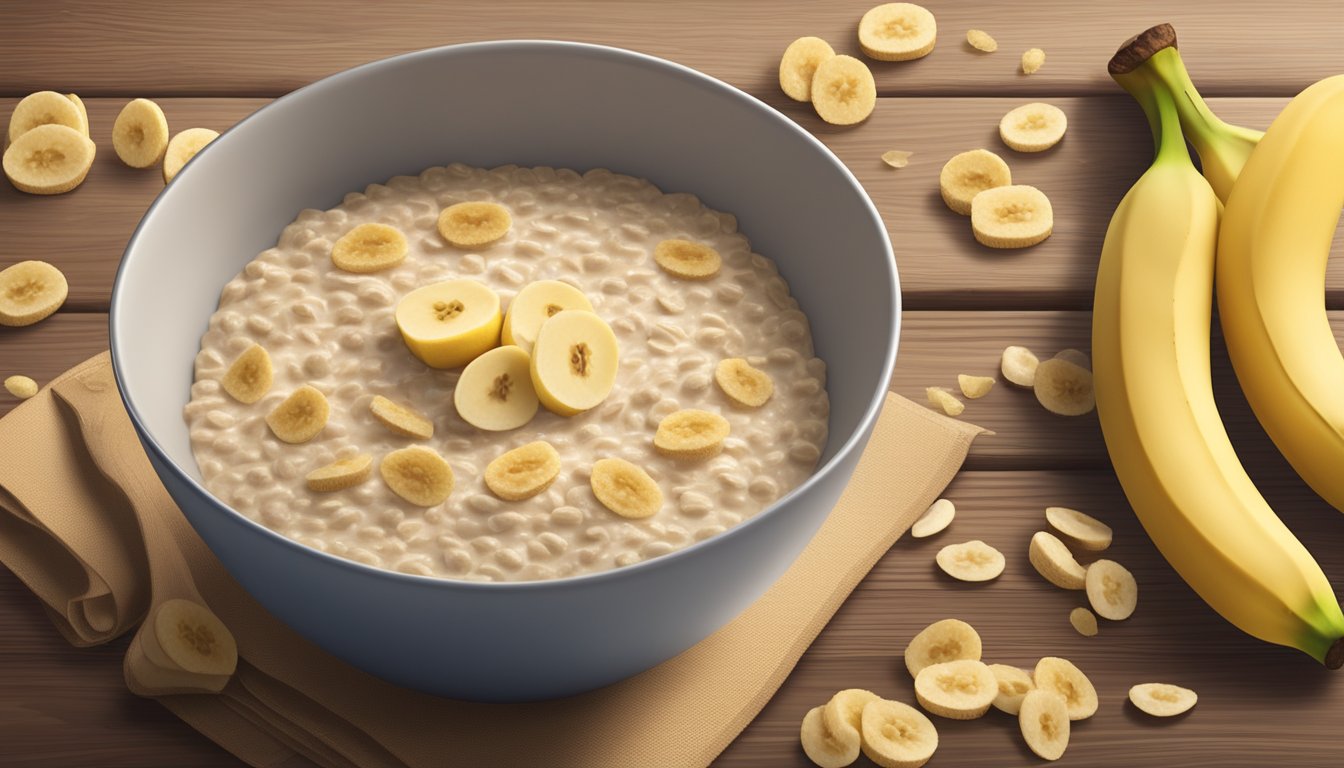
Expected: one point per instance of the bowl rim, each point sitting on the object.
(591, 50)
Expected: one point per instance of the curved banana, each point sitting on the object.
(1272, 253)
(1170, 451)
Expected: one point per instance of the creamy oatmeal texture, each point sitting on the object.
(335, 331)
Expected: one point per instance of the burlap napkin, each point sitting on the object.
(67, 531)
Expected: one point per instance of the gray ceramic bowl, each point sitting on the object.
(487, 104)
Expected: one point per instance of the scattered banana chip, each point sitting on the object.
(1162, 699)
(971, 561)
(687, 260)
(418, 475)
(1033, 127)
(193, 639)
(1084, 621)
(1064, 388)
(974, 387)
(843, 91)
(1075, 356)
(140, 134)
(1014, 685)
(523, 472)
(691, 434)
(184, 146)
(980, 40)
(471, 225)
(536, 303)
(1044, 720)
(250, 375)
(451, 323)
(843, 714)
(827, 749)
(799, 64)
(21, 387)
(495, 391)
(342, 474)
(896, 158)
(574, 362)
(944, 400)
(897, 32)
(1032, 60)
(625, 489)
(369, 248)
(1089, 533)
(44, 108)
(1018, 365)
(51, 159)
(743, 384)
(970, 173)
(957, 690)
(937, 517)
(1111, 590)
(30, 291)
(1055, 562)
(1013, 216)
(300, 416)
(401, 420)
(897, 735)
(942, 641)
(83, 113)
(1069, 682)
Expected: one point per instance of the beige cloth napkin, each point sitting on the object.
(68, 533)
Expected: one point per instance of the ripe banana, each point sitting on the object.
(1170, 451)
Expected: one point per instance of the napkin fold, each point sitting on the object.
(67, 531)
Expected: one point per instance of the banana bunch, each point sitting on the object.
(1150, 340)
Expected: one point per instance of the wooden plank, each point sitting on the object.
(265, 49)
(941, 265)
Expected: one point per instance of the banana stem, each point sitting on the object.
(1159, 106)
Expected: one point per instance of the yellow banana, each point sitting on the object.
(1170, 451)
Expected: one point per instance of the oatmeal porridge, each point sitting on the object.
(654, 386)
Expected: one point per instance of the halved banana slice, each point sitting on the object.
(1111, 590)
(250, 376)
(140, 134)
(189, 637)
(944, 400)
(401, 420)
(30, 291)
(1044, 720)
(825, 748)
(1084, 621)
(1015, 216)
(1014, 685)
(472, 225)
(495, 391)
(1075, 356)
(942, 641)
(49, 160)
(896, 735)
(535, 304)
(339, 475)
(184, 146)
(981, 40)
(974, 387)
(300, 417)
(523, 472)
(1089, 532)
(897, 158)
(44, 108)
(798, 65)
(843, 91)
(687, 260)
(968, 174)
(1069, 682)
(418, 475)
(1162, 699)
(937, 517)
(83, 113)
(574, 362)
(971, 561)
(957, 690)
(1018, 365)
(743, 384)
(897, 32)
(691, 434)
(1033, 127)
(369, 248)
(1064, 388)
(843, 714)
(451, 323)
(625, 489)
(1055, 562)
(1032, 60)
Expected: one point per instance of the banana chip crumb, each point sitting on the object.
(1032, 60)
(981, 41)
(944, 400)
(974, 387)
(21, 387)
(896, 158)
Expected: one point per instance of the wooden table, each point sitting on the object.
(210, 63)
